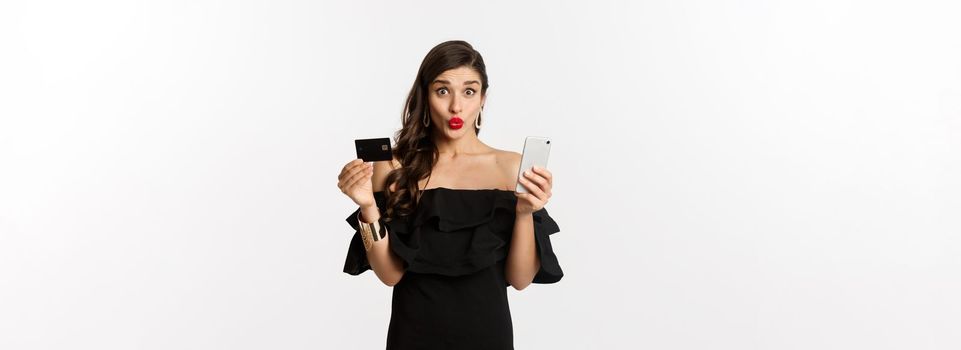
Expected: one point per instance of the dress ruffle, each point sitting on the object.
(457, 232)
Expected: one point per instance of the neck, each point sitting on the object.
(465, 145)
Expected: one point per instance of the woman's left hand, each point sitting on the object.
(538, 183)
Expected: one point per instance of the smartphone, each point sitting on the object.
(372, 150)
(536, 150)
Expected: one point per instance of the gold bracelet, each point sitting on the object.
(367, 232)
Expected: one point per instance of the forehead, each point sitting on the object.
(459, 75)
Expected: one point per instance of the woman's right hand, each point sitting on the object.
(354, 181)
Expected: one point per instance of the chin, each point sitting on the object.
(453, 134)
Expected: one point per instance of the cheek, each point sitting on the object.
(435, 104)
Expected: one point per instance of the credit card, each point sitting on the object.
(373, 150)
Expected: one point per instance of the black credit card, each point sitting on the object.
(372, 150)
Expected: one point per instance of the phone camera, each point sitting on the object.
(548, 142)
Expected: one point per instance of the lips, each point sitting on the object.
(455, 123)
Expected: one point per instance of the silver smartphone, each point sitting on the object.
(536, 150)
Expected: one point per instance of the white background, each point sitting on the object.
(730, 174)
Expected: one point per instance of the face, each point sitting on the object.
(455, 93)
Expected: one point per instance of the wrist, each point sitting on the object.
(369, 213)
(370, 232)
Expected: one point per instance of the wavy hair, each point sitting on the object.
(414, 148)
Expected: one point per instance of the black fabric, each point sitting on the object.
(454, 247)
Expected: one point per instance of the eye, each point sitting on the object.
(442, 91)
(470, 92)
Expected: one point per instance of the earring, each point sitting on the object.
(477, 123)
(426, 119)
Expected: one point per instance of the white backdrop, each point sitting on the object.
(730, 174)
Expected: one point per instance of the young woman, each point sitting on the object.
(441, 223)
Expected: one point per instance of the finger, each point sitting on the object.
(539, 180)
(544, 183)
(358, 182)
(352, 169)
(351, 186)
(351, 165)
(533, 189)
(530, 198)
(545, 173)
(358, 170)
(357, 179)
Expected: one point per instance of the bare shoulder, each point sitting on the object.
(509, 159)
(381, 170)
(508, 162)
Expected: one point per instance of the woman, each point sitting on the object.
(441, 223)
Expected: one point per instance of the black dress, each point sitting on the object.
(453, 294)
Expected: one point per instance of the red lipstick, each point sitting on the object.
(455, 123)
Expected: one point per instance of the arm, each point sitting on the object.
(388, 267)
(522, 261)
(359, 181)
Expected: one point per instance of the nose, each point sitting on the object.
(455, 105)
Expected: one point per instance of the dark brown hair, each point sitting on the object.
(414, 149)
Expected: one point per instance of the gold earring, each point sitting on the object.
(426, 119)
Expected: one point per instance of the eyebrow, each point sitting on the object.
(465, 83)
